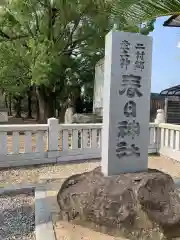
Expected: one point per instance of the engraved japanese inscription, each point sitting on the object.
(123, 149)
(131, 88)
(130, 109)
(131, 85)
(140, 53)
(124, 56)
(128, 128)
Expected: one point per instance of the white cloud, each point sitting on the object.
(178, 44)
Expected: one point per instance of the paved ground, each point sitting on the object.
(166, 165)
(68, 231)
(32, 174)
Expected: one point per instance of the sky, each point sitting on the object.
(166, 56)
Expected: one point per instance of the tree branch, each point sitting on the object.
(79, 40)
(11, 39)
(50, 30)
(74, 44)
(3, 34)
(7, 37)
(29, 30)
(37, 21)
(42, 3)
(76, 24)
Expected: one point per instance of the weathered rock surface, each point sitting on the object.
(138, 205)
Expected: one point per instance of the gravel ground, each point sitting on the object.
(33, 173)
(17, 219)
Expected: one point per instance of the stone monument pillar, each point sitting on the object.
(126, 103)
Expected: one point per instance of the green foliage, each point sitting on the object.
(14, 70)
(136, 12)
(57, 43)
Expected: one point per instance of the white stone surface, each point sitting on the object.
(53, 136)
(117, 102)
(43, 223)
(3, 116)
(98, 87)
(160, 117)
(68, 117)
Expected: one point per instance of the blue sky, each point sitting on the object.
(166, 56)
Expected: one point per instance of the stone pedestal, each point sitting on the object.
(123, 204)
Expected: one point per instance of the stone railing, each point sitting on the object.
(54, 142)
(169, 142)
(48, 143)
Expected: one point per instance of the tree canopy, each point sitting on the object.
(53, 46)
(137, 12)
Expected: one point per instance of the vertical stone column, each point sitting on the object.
(126, 103)
(53, 135)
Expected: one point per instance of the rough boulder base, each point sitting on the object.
(142, 205)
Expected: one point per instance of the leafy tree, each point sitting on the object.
(14, 74)
(53, 33)
(137, 12)
(57, 44)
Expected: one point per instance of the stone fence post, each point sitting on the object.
(53, 135)
(160, 117)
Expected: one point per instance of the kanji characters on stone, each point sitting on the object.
(140, 53)
(128, 128)
(123, 149)
(124, 55)
(131, 85)
(130, 109)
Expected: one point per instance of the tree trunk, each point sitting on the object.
(10, 105)
(46, 104)
(6, 103)
(29, 115)
(51, 107)
(42, 105)
(62, 114)
(17, 107)
(37, 109)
